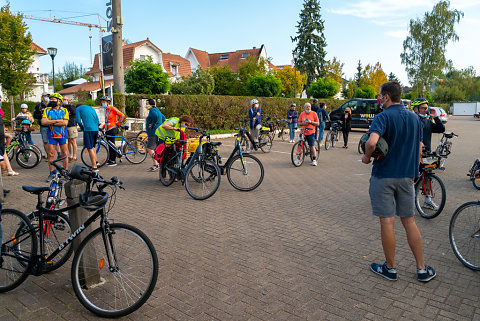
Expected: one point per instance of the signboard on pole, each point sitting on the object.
(107, 53)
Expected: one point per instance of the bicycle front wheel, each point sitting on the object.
(359, 147)
(202, 179)
(476, 182)
(430, 196)
(245, 172)
(27, 157)
(18, 249)
(135, 151)
(464, 234)
(328, 140)
(298, 153)
(265, 141)
(115, 276)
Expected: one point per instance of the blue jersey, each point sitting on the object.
(52, 114)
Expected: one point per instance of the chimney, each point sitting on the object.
(254, 47)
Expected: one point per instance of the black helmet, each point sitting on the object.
(78, 172)
(93, 200)
(106, 98)
(315, 100)
(381, 150)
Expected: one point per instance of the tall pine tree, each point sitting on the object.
(311, 43)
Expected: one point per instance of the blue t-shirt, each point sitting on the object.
(87, 118)
(322, 115)
(154, 118)
(254, 118)
(402, 130)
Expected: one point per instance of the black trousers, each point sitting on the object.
(112, 151)
(345, 133)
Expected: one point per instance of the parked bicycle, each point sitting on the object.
(283, 129)
(332, 136)
(301, 149)
(26, 155)
(444, 147)
(133, 149)
(200, 175)
(247, 143)
(430, 193)
(475, 167)
(115, 267)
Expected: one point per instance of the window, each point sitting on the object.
(223, 57)
(245, 55)
(174, 69)
(145, 57)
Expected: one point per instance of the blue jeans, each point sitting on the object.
(321, 129)
(292, 127)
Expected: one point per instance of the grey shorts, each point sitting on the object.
(392, 196)
(44, 133)
(152, 142)
(72, 132)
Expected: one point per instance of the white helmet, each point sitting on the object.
(253, 102)
(23, 106)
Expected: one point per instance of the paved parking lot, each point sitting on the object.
(297, 248)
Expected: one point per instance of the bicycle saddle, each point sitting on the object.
(93, 201)
(216, 143)
(35, 190)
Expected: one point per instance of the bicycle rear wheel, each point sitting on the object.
(135, 151)
(115, 277)
(202, 179)
(298, 153)
(27, 157)
(476, 182)
(142, 136)
(328, 140)
(435, 190)
(284, 133)
(464, 234)
(265, 142)
(18, 249)
(36, 149)
(245, 173)
(102, 155)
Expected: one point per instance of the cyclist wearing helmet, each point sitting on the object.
(292, 117)
(391, 185)
(430, 121)
(55, 116)
(255, 115)
(113, 118)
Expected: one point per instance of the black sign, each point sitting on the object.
(107, 53)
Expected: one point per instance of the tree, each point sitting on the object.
(224, 79)
(334, 69)
(146, 77)
(424, 48)
(393, 77)
(264, 86)
(251, 66)
(456, 85)
(310, 41)
(287, 77)
(201, 82)
(324, 88)
(365, 92)
(374, 76)
(15, 54)
(359, 75)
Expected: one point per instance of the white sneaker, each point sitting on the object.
(314, 162)
(430, 205)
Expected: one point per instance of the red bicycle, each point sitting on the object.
(430, 194)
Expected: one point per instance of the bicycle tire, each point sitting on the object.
(37, 149)
(142, 135)
(136, 149)
(425, 212)
(476, 182)
(328, 140)
(335, 139)
(464, 234)
(27, 157)
(359, 147)
(298, 153)
(202, 179)
(18, 249)
(55, 234)
(165, 176)
(285, 134)
(102, 155)
(135, 270)
(244, 144)
(265, 142)
(249, 172)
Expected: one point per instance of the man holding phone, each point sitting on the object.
(309, 121)
(430, 121)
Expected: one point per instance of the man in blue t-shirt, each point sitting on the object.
(255, 116)
(87, 119)
(391, 184)
(154, 119)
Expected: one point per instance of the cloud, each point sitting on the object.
(401, 34)
(383, 9)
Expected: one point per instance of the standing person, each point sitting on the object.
(430, 121)
(255, 116)
(38, 114)
(88, 121)
(315, 108)
(56, 117)
(2, 155)
(309, 120)
(346, 122)
(391, 184)
(292, 118)
(154, 119)
(322, 118)
(113, 118)
(71, 129)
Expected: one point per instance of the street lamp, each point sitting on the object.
(52, 52)
(295, 55)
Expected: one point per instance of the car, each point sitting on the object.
(441, 114)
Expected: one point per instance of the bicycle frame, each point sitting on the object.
(236, 149)
(103, 137)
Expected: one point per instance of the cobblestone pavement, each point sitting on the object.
(297, 248)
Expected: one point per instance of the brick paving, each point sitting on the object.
(297, 248)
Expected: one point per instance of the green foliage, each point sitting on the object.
(448, 94)
(287, 77)
(323, 88)
(250, 67)
(310, 41)
(348, 89)
(393, 77)
(6, 109)
(224, 79)
(365, 92)
(264, 86)
(201, 82)
(334, 69)
(144, 76)
(351, 90)
(424, 48)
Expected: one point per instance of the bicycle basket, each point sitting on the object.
(193, 146)
(430, 161)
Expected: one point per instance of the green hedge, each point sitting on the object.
(212, 111)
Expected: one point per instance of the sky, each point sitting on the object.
(366, 30)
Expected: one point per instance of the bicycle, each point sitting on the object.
(201, 176)
(244, 171)
(444, 147)
(284, 130)
(332, 136)
(301, 149)
(264, 143)
(27, 156)
(475, 167)
(102, 278)
(429, 187)
(134, 150)
(464, 234)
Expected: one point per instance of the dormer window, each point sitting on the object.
(174, 69)
(245, 55)
(145, 57)
(224, 57)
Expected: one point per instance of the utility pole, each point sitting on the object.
(118, 80)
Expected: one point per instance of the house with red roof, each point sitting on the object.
(175, 65)
(233, 58)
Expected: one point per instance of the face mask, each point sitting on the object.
(308, 111)
(104, 105)
(52, 104)
(46, 100)
(423, 116)
(183, 125)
